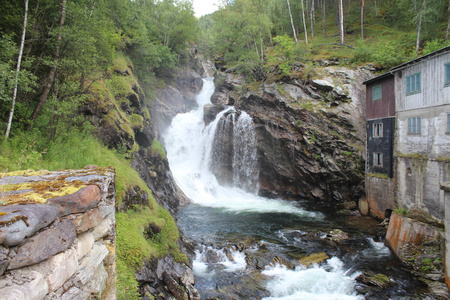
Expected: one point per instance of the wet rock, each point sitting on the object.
(83, 200)
(377, 280)
(44, 244)
(210, 112)
(21, 221)
(337, 236)
(315, 258)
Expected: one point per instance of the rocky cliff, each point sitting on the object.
(129, 119)
(310, 131)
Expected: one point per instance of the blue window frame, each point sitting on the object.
(413, 84)
(447, 74)
(377, 93)
(414, 125)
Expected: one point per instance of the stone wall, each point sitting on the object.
(57, 234)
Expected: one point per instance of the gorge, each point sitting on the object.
(248, 246)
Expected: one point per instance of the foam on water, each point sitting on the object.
(327, 282)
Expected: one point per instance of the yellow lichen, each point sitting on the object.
(28, 173)
(40, 191)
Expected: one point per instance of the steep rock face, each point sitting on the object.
(310, 133)
(176, 99)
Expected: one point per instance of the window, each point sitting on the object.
(414, 125)
(377, 159)
(377, 93)
(447, 74)
(377, 130)
(448, 123)
(413, 84)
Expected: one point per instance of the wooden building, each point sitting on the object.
(422, 89)
(380, 126)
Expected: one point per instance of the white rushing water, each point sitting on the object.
(190, 151)
(329, 282)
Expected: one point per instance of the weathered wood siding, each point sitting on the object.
(384, 107)
(433, 90)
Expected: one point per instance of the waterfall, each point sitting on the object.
(216, 165)
(245, 160)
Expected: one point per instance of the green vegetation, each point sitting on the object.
(142, 234)
(378, 175)
(401, 211)
(259, 34)
(157, 148)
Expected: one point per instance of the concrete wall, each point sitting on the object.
(419, 184)
(57, 237)
(434, 141)
(380, 194)
(446, 189)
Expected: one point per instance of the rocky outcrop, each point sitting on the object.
(310, 133)
(59, 247)
(179, 98)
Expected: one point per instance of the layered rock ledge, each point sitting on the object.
(57, 234)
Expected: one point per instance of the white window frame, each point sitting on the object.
(378, 159)
(415, 125)
(377, 130)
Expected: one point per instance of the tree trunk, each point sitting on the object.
(448, 25)
(419, 26)
(51, 75)
(16, 77)
(292, 21)
(312, 14)
(304, 23)
(324, 18)
(341, 21)
(362, 20)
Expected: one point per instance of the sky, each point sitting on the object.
(204, 7)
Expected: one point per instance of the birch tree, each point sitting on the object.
(292, 21)
(362, 20)
(304, 22)
(341, 21)
(16, 79)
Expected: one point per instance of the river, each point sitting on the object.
(249, 247)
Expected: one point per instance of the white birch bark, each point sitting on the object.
(16, 79)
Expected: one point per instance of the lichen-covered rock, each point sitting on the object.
(81, 201)
(21, 221)
(44, 244)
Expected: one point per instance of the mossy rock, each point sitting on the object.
(316, 258)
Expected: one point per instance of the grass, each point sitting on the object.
(134, 247)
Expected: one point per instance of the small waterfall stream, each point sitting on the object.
(241, 237)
